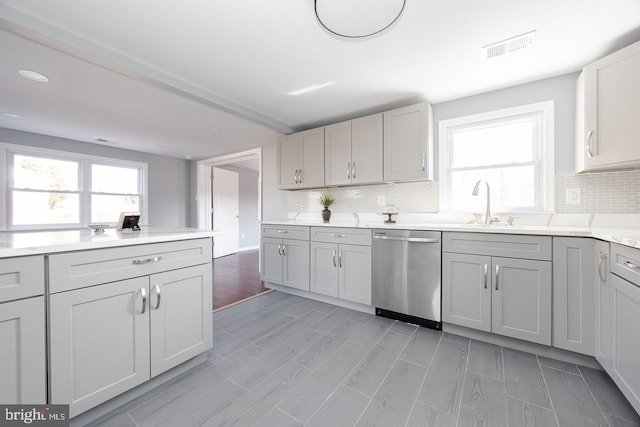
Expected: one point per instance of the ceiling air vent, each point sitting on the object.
(507, 46)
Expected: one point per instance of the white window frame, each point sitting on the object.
(545, 166)
(7, 151)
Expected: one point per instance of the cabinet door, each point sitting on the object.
(574, 294)
(295, 269)
(521, 301)
(337, 154)
(406, 139)
(181, 316)
(466, 290)
(366, 149)
(604, 314)
(626, 318)
(99, 339)
(288, 155)
(612, 105)
(22, 353)
(271, 260)
(354, 264)
(311, 159)
(324, 268)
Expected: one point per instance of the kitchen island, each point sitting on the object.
(106, 312)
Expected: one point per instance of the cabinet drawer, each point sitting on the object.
(73, 270)
(352, 236)
(296, 232)
(504, 245)
(625, 262)
(21, 277)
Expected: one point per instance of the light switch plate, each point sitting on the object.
(573, 196)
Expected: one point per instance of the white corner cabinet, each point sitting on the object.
(285, 255)
(301, 160)
(341, 263)
(408, 146)
(498, 283)
(574, 294)
(120, 316)
(353, 151)
(608, 107)
(624, 281)
(22, 331)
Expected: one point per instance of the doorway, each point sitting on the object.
(230, 202)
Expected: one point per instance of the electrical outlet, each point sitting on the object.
(573, 196)
(382, 201)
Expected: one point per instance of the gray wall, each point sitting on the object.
(169, 178)
(561, 89)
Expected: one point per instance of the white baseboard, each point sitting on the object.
(249, 248)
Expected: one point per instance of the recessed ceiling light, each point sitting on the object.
(33, 75)
(13, 116)
(310, 88)
(215, 129)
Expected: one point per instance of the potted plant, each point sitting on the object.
(326, 200)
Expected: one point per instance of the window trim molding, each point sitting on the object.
(547, 155)
(7, 150)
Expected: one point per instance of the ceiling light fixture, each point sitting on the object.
(357, 18)
(215, 129)
(310, 88)
(33, 75)
(12, 115)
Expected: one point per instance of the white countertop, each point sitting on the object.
(628, 236)
(45, 242)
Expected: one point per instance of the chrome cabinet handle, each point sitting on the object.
(486, 273)
(283, 231)
(588, 147)
(338, 235)
(334, 258)
(156, 288)
(632, 265)
(603, 258)
(424, 155)
(353, 170)
(295, 176)
(299, 176)
(147, 260)
(349, 170)
(340, 258)
(143, 292)
(284, 250)
(497, 275)
(279, 249)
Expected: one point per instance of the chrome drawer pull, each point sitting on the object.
(338, 235)
(147, 261)
(283, 231)
(632, 265)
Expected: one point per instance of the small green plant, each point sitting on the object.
(326, 199)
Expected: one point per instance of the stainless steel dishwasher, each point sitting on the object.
(406, 276)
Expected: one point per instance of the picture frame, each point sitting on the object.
(128, 220)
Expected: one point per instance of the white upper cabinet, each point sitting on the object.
(353, 151)
(408, 149)
(301, 160)
(608, 107)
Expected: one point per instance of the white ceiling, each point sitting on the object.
(157, 76)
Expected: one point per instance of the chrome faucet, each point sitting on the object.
(356, 218)
(488, 219)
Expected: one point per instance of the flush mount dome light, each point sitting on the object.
(358, 18)
(33, 75)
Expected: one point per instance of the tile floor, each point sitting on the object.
(281, 360)
(236, 277)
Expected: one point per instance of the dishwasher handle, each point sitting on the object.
(407, 239)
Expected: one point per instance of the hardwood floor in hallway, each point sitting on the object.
(236, 277)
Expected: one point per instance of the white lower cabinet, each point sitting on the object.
(574, 294)
(341, 271)
(286, 262)
(506, 296)
(22, 352)
(603, 307)
(108, 338)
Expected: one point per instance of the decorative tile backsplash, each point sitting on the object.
(603, 192)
